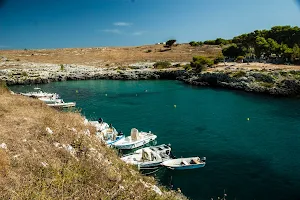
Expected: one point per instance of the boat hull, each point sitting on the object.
(133, 145)
(187, 167)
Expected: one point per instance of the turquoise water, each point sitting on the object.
(255, 159)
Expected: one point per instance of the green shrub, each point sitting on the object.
(219, 58)
(162, 65)
(24, 74)
(170, 43)
(200, 63)
(62, 68)
(267, 85)
(195, 44)
(238, 74)
(283, 73)
(239, 58)
(187, 67)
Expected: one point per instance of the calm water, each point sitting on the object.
(255, 159)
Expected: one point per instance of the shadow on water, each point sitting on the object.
(249, 179)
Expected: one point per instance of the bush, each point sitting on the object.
(162, 65)
(62, 68)
(210, 42)
(200, 63)
(187, 67)
(240, 59)
(238, 74)
(267, 85)
(24, 74)
(148, 51)
(219, 58)
(170, 43)
(195, 44)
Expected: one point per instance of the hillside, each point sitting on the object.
(46, 154)
(110, 56)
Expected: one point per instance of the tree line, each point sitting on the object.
(279, 44)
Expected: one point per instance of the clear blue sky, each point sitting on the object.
(90, 23)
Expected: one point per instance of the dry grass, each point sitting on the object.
(35, 164)
(110, 56)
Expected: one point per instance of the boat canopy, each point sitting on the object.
(135, 134)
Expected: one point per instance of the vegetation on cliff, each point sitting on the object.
(46, 154)
(280, 44)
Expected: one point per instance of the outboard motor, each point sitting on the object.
(120, 133)
(100, 120)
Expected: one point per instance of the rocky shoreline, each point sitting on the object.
(274, 82)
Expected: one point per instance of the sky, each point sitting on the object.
(37, 24)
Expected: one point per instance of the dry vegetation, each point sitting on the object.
(68, 164)
(111, 56)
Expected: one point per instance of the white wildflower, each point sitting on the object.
(49, 130)
(3, 146)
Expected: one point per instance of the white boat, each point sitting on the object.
(149, 157)
(100, 124)
(135, 140)
(62, 104)
(110, 136)
(39, 94)
(185, 163)
(106, 133)
(50, 100)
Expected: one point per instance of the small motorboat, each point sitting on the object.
(149, 157)
(100, 124)
(50, 100)
(110, 136)
(62, 104)
(135, 140)
(108, 133)
(185, 163)
(39, 94)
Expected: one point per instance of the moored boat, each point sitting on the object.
(106, 133)
(100, 125)
(39, 94)
(185, 163)
(62, 104)
(149, 157)
(135, 140)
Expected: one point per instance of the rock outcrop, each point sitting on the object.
(275, 82)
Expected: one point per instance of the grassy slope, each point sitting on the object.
(112, 56)
(32, 167)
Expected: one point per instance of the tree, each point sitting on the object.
(210, 42)
(220, 41)
(170, 43)
(296, 54)
(286, 52)
(219, 58)
(200, 63)
(274, 47)
(261, 46)
(234, 51)
(193, 43)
